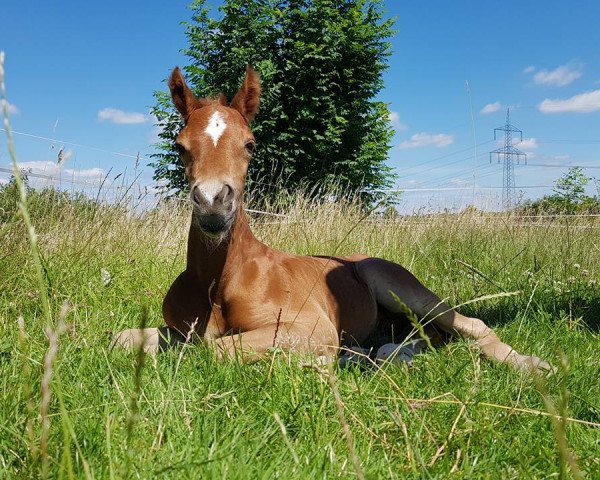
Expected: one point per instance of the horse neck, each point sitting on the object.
(210, 261)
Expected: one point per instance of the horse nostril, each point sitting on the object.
(225, 196)
(196, 195)
(212, 195)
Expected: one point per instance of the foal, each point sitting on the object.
(243, 297)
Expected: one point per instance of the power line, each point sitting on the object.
(568, 142)
(454, 174)
(422, 188)
(447, 155)
(61, 179)
(73, 144)
(468, 187)
(550, 165)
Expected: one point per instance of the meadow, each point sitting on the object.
(72, 408)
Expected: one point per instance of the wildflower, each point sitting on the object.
(106, 277)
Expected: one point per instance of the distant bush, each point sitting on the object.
(568, 198)
(41, 202)
(556, 205)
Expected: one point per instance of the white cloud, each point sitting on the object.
(460, 182)
(89, 174)
(10, 107)
(529, 69)
(527, 144)
(396, 123)
(583, 103)
(47, 167)
(558, 77)
(424, 139)
(115, 115)
(13, 109)
(491, 108)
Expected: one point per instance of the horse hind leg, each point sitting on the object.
(384, 277)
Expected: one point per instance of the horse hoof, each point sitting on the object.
(354, 356)
(399, 352)
(536, 365)
(135, 338)
(152, 339)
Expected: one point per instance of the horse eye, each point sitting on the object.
(250, 147)
(180, 149)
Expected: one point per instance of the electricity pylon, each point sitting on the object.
(509, 154)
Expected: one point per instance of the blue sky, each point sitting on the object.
(83, 73)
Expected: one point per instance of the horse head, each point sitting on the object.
(216, 146)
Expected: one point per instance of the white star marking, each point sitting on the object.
(215, 128)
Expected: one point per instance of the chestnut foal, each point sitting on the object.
(243, 297)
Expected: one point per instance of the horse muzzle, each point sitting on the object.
(214, 225)
(213, 206)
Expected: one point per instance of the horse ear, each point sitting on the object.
(246, 100)
(183, 98)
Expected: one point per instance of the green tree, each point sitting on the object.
(569, 196)
(321, 64)
(571, 186)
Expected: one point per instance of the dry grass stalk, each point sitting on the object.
(419, 402)
(442, 447)
(332, 380)
(558, 418)
(35, 253)
(46, 392)
(286, 438)
(133, 416)
(412, 318)
(135, 395)
(27, 390)
(160, 430)
(397, 418)
(454, 468)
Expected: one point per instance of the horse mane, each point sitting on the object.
(219, 99)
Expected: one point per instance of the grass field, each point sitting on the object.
(75, 272)
(181, 414)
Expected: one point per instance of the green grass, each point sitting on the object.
(198, 418)
(71, 408)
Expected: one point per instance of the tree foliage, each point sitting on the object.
(571, 186)
(321, 64)
(569, 196)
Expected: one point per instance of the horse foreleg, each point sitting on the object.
(384, 277)
(294, 338)
(152, 339)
